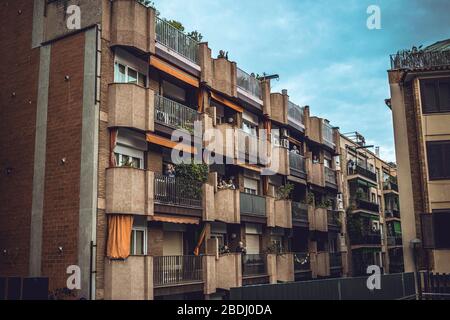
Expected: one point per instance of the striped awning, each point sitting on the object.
(174, 219)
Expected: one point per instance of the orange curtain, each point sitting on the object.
(200, 241)
(119, 236)
(112, 145)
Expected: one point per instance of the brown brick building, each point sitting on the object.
(420, 102)
(89, 179)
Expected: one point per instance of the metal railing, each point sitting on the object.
(253, 205)
(296, 116)
(297, 164)
(333, 218)
(171, 270)
(177, 191)
(361, 170)
(335, 259)
(394, 241)
(420, 59)
(359, 238)
(249, 83)
(174, 114)
(368, 205)
(390, 185)
(392, 212)
(300, 211)
(176, 40)
(330, 176)
(254, 264)
(302, 261)
(327, 133)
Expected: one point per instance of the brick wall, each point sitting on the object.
(18, 95)
(62, 181)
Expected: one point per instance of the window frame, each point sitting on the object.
(446, 175)
(117, 64)
(133, 240)
(437, 96)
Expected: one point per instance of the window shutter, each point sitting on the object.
(435, 164)
(429, 96)
(444, 95)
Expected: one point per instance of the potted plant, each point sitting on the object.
(284, 192)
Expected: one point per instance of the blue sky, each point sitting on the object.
(325, 55)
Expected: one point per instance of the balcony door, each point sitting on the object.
(253, 243)
(173, 243)
(173, 250)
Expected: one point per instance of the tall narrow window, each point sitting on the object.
(438, 160)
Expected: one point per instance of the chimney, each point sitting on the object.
(377, 151)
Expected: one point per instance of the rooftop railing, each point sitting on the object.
(420, 59)
(172, 270)
(174, 114)
(176, 40)
(177, 191)
(296, 116)
(249, 83)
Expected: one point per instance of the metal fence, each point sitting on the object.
(177, 191)
(169, 270)
(176, 40)
(253, 205)
(174, 114)
(296, 116)
(254, 264)
(420, 59)
(434, 286)
(297, 164)
(393, 286)
(249, 83)
(299, 211)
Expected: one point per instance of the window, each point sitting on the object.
(138, 241)
(125, 74)
(249, 128)
(438, 160)
(123, 160)
(435, 94)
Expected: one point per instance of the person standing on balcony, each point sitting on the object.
(241, 248)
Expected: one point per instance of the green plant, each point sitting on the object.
(359, 194)
(192, 171)
(283, 192)
(324, 204)
(197, 36)
(310, 198)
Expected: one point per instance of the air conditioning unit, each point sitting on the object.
(285, 143)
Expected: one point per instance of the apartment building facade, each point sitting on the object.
(93, 182)
(420, 102)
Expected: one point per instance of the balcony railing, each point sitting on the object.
(327, 133)
(330, 176)
(176, 40)
(359, 238)
(394, 241)
(172, 270)
(177, 191)
(390, 185)
(358, 169)
(365, 204)
(297, 164)
(392, 212)
(254, 264)
(249, 83)
(335, 260)
(296, 116)
(302, 261)
(333, 219)
(420, 59)
(253, 205)
(174, 114)
(300, 212)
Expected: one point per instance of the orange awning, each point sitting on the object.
(226, 102)
(167, 68)
(155, 139)
(173, 219)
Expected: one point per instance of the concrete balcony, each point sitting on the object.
(320, 131)
(318, 219)
(285, 267)
(279, 213)
(131, 106)
(316, 174)
(131, 279)
(279, 107)
(228, 271)
(330, 178)
(320, 264)
(133, 25)
(220, 74)
(226, 206)
(129, 191)
(297, 165)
